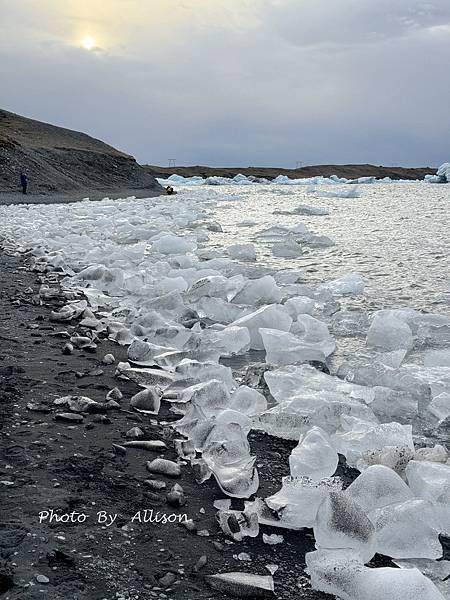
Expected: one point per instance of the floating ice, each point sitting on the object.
(387, 333)
(352, 192)
(352, 283)
(242, 252)
(300, 305)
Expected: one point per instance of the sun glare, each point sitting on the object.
(88, 42)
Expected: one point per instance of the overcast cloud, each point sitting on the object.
(235, 82)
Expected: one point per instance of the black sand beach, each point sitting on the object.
(72, 468)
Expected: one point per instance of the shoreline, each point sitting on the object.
(49, 464)
(8, 198)
(345, 171)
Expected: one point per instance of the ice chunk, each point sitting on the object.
(287, 249)
(145, 377)
(244, 252)
(227, 454)
(388, 333)
(259, 291)
(273, 316)
(292, 418)
(352, 283)
(305, 209)
(238, 524)
(437, 571)
(210, 396)
(216, 286)
(437, 454)
(411, 529)
(198, 372)
(283, 348)
(172, 244)
(248, 401)
(144, 353)
(218, 310)
(360, 436)
(314, 456)
(429, 480)
(351, 192)
(341, 574)
(378, 486)
(313, 333)
(231, 340)
(298, 501)
(300, 305)
(342, 523)
(394, 457)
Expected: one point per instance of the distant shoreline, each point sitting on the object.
(347, 171)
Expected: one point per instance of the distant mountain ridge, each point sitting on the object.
(56, 159)
(347, 171)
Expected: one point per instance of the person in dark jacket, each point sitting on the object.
(24, 182)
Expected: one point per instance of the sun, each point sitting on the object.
(88, 42)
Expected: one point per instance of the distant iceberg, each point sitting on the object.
(442, 175)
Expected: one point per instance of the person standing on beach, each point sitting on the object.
(24, 182)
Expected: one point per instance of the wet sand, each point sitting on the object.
(49, 464)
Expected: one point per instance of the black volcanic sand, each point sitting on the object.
(72, 467)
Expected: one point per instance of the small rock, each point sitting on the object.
(112, 405)
(69, 417)
(102, 419)
(155, 484)
(42, 579)
(189, 525)
(167, 580)
(176, 496)
(164, 467)
(118, 449)
(273, 539)
(114, 394)
(108, 359)
(68, 348)
(200, 563)
(135, 432)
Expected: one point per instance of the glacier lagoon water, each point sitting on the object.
(397, 235)
(144, 262)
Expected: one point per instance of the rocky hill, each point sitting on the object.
(58, 160)
(347, 171)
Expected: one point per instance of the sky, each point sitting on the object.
(236, 82)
